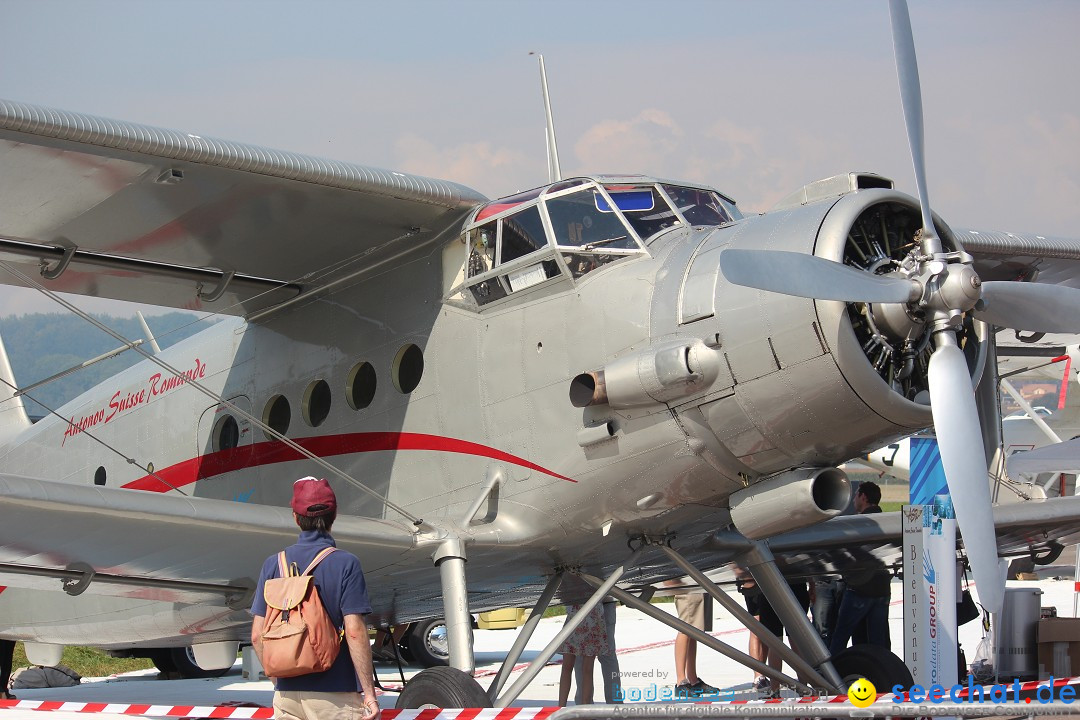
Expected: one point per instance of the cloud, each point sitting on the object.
(644, 141)
(474, 164)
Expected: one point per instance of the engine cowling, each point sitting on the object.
(790, 501)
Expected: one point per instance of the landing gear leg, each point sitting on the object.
(450, 559)
(807, 672)
(762, 565)
(452, 686)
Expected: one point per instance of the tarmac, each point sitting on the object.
(646, 660)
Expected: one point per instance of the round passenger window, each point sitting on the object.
(360, 390)
(317, 403)
(408, 368)
(99, 475)
(226, 433)
(277, 415)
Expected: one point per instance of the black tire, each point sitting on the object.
(403, 648)
(428, 643)
(442, 687)
(184, 661)
(874, 663)
(163, 661)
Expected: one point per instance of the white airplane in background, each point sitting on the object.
(579, 390)
(1047, 420)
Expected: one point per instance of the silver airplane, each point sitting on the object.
(580, 390)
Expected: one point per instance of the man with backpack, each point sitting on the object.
(338, 583)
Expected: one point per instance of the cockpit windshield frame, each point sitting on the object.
(560, 233)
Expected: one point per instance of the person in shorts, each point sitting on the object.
(691, 610)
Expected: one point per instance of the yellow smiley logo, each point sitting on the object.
(861, 693)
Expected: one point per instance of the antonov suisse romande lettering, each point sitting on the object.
(156, 385)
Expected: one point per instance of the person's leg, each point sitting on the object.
(587, 680)
(776, 663)
(877, 623)
(691, 662)
(861, 635)
(7, 658)
(837, 592)
(772, 623)
(578, 672)
(853, 608)
(609, 661)
(682, 643)
(565, 677)
(758, 651)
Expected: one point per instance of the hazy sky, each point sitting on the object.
(755, 99)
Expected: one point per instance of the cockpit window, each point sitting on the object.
(567, 229)
(644, 208)
(699, 207)
(522, 233)
(579, 221)
(482, 247)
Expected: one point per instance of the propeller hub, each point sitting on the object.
(955, 290)
(899, 322)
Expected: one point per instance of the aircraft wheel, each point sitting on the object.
(429, 645)
(442, 687)
(403, 648)
(873, 662)
(184, 662)
(163, 661)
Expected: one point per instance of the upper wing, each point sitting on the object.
(175, 219)
(1018, 256)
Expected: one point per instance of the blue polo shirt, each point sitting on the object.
(343, 591)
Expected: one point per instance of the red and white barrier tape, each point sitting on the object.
(264, 713)
(511, 713)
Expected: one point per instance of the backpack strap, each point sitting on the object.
(283, 565)
(318, 559)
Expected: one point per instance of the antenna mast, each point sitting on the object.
(554, 170)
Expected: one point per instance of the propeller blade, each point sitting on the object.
(956, 422)
(809, 276)
(907, 72)
(1036, 307)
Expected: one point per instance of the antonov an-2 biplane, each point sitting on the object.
(603, 383)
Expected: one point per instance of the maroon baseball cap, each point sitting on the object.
(313, 497)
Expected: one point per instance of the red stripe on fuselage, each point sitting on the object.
(269, 453)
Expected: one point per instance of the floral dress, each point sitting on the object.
(590, 637)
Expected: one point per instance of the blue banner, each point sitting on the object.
(927, 479)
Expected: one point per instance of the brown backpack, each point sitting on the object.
(297, 635)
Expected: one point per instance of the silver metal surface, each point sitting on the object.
(450, 559)
(761, 564)
(789, 501)
(524, 635)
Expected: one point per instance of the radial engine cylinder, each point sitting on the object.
(790, 501)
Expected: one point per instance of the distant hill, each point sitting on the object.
(41, 345)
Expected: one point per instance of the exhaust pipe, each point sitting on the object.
(790, 501)
(653, 376)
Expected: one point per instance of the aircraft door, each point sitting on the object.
(224, 440)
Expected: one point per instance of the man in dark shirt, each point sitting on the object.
(340, 580)
(868, 591)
